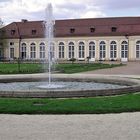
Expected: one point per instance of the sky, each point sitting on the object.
(32, 10)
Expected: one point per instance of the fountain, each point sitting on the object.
(49, 22)
(49, 35)
(72, 85)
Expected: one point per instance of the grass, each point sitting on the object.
(25, 68)
(98, 105)
(75, 68)
(29, 68)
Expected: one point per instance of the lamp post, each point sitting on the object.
(127, 37)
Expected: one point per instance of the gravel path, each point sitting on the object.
(132, 68)
(125, 126)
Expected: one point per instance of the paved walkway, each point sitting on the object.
(125, 126)
(132, 68)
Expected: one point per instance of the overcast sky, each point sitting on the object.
(15, 10)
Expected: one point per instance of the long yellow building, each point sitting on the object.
(106, 39)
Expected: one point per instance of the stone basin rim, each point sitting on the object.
(133, 85)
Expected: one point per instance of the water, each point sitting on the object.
(25, 86)
(49, 23)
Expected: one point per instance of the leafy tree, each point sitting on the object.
(3, 42)
(1, 23)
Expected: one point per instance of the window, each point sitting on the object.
(13, 32)
(23, 51)
(114, 29)
(42, 50)
(102, 50)
(11, 53)
(92, 29)
(11, 43)
(81, 50)
(124, 49)
(71, 50)
(72, 30)
(138, 49)
(1, 50)
(92, 49)
(52, 49)
(33, 32)
(33, 50)
(113, 50)
(61, 50)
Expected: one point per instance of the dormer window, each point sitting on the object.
(72, 30)
(13, 32)
(33, 32)
(92, 29)
(11, 43)
(114, 29)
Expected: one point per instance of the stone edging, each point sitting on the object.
(133, 86)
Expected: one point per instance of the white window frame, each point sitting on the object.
(52, 50)
(92, 50)
(61, 50)
(12, 52)
(33, 51)
(23, 51)
(42, 49)
(102, 50)
(124, 51)
(81, 51)
(138, 50)
(113, 50)
(71, 50)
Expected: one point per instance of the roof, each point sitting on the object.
(115, 26)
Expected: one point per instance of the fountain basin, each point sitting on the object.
(126, 86)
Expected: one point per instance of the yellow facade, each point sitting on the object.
(131, 40)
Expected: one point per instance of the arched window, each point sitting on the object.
(33, 51)
(71, 50)
(52, 49)
(124, 49)
(81, 50)
(61, 50)
(1, 50)
(92, 49)
(42, 50)
(138, 49)
(12, 52)
(113, 50)
(23, 51)
(102, 50)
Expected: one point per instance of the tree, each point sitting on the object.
(3, 42)
(1, 23)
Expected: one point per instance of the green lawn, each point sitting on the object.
(75, 68)
(114, 104)
(12, 68)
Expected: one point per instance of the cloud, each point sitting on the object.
(15, 10)
(118, 4)
(4, 0)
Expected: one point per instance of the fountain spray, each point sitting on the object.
(49, 23)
